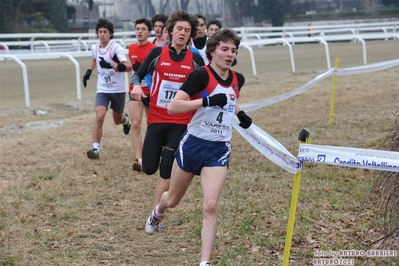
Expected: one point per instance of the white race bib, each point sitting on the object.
(167, 92)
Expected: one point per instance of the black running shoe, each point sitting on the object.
(127, 126)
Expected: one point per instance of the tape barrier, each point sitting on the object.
(367, 68)
(247, 107)
(349, 157)
(277, 153)
(269, 147)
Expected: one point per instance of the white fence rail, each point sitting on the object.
(56, 42)
(36, 46)
(18, 58)
(322, 30)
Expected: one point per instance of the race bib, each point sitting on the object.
(167, 92)
(217, 121)
(106, 76)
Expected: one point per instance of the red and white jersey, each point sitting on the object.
(109, 80)
(214, 123)
(167, 79)
(137, 54)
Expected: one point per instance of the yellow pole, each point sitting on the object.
(304, 138)
(334, 89)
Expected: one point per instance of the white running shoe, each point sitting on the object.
(152, 223)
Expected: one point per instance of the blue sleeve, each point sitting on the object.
(148, 79)
(194, 50)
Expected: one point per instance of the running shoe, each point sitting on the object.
(93, 153)
(151, 225)
(127, 126)
(136, 166)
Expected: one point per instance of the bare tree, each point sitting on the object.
(385, 198)
(162, 6)
(210, 8)
(199, 7)
(90, 3)
(146, 8)
(371, 5)
(184, 4)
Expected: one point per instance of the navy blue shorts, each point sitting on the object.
(116, 101)
(194, 153)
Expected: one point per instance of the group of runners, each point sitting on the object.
(184, 83)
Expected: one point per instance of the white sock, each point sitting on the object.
(140, 160)
(96, 145)
(204, 263)
(157, 213)
(126, 120)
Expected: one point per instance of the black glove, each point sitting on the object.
(245, 120)
(136, 66)
(219, 99)
(86, 77)
(121, 67)
(104, 64)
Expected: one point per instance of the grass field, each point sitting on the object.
(59, 208)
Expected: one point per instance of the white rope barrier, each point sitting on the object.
(251, 106)
(269, 147)
(367, 68)
(247, 107)
(278, 154)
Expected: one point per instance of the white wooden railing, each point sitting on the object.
(56, 42)
(65, 42)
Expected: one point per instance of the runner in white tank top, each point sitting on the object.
(110, 60)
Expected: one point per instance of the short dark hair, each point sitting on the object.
(181, 15)
(223, 35)
(201, 16)
(159, 17)
(214, 22)
(145, 21)
(103, 23)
